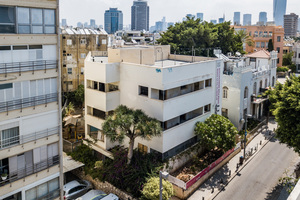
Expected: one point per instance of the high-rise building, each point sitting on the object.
(140, 15)
(92, 23)
(237, 18)
(213, 21)
(190, 15)
(290, 25)
(200, 16)
(221, 20)
(263, 18)
(113, 20)
(30, 101)
(247, 19)
(79, 24)
(279, 9)
(86, 25)
(64, 23)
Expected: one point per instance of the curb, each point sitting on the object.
(243, 166)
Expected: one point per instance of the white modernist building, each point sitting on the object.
(176, 90)
(296, 57)
(244, 81)
(30, 117)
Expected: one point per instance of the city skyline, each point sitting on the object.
(174, 12)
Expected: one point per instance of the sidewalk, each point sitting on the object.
(214, 185)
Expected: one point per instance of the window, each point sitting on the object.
(7, 19)
(225, 92)
(252, 59)
(225, 112)
(260, 34)
(257, 45)
(278, 60)
(208, 83)
(35, 46)
(273, 81)
(49, 189)
(81, 70)
(270, 33)
(6, 86)
(246, 93)
(20, 47)
(299, 55)
(9, 137)
(143, 91)
(5, 48)
(250, 33)
(266, 34)
(263, 44)
(142, 148)
(82, 55)
(102, 87)
(83, 41)
(207, 108)
(183, 87)
(278, 38)
(69, 42)
(278, 49)
(69, 70)
(255, 34)
(94, 132)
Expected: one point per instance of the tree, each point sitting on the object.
(69, 109)
(151, 189)
(287, 61)
(126, 122)
(270, 45)
(245, 37)
(79, 95)
(216, 131)
(286, 108)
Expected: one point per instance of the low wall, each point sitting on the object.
(104, 186)
(183, 193)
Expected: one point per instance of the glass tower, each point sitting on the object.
(279, 9)
(113, 20)
(140, 16)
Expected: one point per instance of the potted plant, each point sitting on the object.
(4, 176)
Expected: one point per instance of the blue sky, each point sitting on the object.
(173, 10)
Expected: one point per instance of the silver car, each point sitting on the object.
(93, 195)
(75, 189)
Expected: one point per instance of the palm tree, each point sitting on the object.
(70, 109)
(245, 37)
(132, 124)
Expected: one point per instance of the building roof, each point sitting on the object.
(82, 31)
(259, 54)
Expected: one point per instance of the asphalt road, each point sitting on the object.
(257, 179)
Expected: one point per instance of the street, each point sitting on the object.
(261, 174)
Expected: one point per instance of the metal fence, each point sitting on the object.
(28, 102)
(69, 147)
(29, 170)
(21, 139)
(18, 67)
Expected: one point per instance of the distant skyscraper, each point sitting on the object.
(140, 15)
(113, 20)
(221, 20)
(213, 21)
(279, 9)
(237, 18)
(79, 24)
(263, 18)
(170, 24)
(200, 16)
(92, 23)
(290, 25)
(190, 15)
(63, 22)
(247, 19)
(86, 25)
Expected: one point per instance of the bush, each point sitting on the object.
(151, 189)
(282, 69)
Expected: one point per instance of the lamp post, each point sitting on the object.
(161, 175)
(245, 138)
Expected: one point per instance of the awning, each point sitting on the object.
(72, 119)
(69, 164)
(260, 100)
(100, 150)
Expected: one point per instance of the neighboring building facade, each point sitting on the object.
(113, 20)
(140, 16)
(30, 106)
(151, 79)
(200, 16)
(237, 18)
(75, 45)
(279, 10)
(290, 25)
(296, 58)
(261, 36)
(263, 18)
(243, 80)
(247, 19)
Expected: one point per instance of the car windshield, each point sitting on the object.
(81, 182)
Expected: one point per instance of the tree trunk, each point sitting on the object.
(130, 151)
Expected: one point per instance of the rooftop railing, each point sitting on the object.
(18, 67)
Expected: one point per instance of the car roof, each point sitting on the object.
(70, 185)
(93, 195)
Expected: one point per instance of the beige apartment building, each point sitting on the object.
(261, 36)
(76, 43)
(30, 115)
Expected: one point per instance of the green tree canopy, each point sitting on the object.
(216, 131)
(287, 61)
(201, 35)
(151, 189)
(79, 95)
(285, 105)
(126, 122)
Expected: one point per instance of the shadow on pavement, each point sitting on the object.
(275, 193)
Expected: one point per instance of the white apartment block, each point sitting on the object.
(296, 57)
(244, 81)
(30, 116)
(177, 90)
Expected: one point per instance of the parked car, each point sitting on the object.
(97, 195)
(77, 188)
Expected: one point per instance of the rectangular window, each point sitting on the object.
(7, 19)
(9, 137)
(143, 91)
(69, 42)
(225, 112)
(20, 47)
(252, 59)
(35, 46)
(102, 87)
(6, 86)
(263, 45)
(83, 41)
(5, 48)
(99, 113)
(299, 55)
(208, 83)
(257, 45)
(69, 70)
(82, 70)
(82, 55)
(278, 49)
(278, 38)
(207, 108)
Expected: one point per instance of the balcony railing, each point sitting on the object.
(21, 139)
(29, 170)
(18, 67)
(28, 102)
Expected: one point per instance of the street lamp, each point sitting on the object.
(245, 138)
(161, 175)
